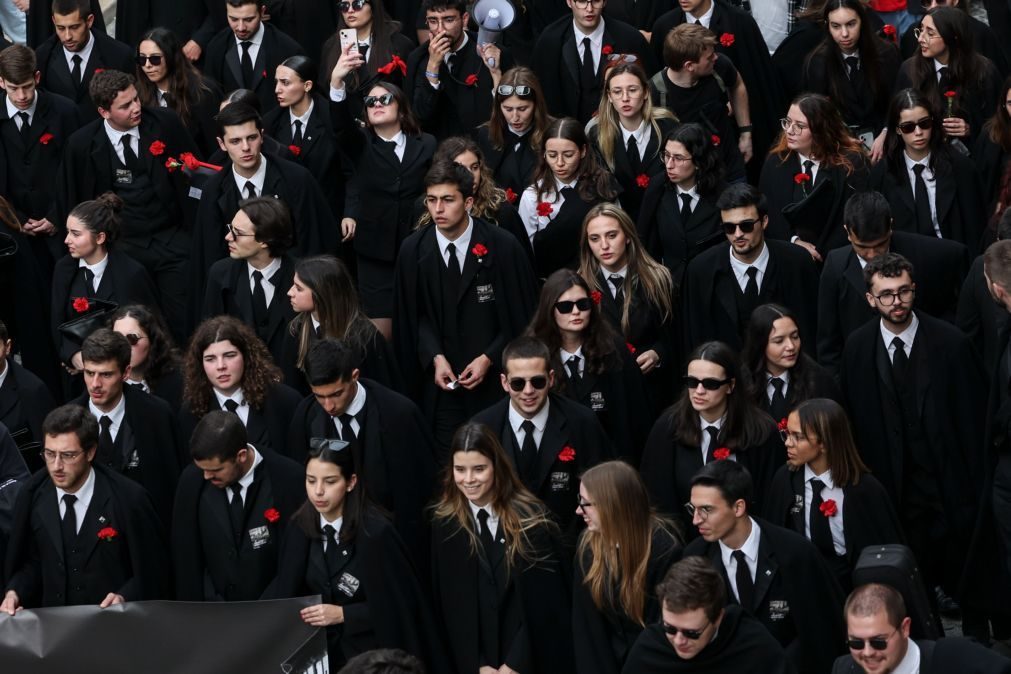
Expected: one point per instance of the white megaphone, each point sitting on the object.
(493, 17)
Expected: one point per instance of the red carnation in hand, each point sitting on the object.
(81, 305)
(715, 139)
(157, 148)
(190, 161)
(801, 178)
(828, 508)
(45, 138)
(272, 515)
(727, 39)
(595, 296)
(511, 196)
(950, 94)
(721, 454)
(567, 454)
(544, 209)
(607, 50)
(107, 534)
(471, 80)
(172, 164)
(479, 250)
(630, 347)
(295, 150)
(642, 180)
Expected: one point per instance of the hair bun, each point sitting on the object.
(111, 201)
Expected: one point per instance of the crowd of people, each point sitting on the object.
(612, 344)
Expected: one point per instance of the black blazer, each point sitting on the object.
(632, 190)
(221, 62)
(979, 317)
(819, 382)
(24, 403)
(513, 165)
(106, 54)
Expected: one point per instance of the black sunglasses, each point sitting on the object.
(133, 338)
(519, 383)
(354, 4)
(694, 635)
(155, 60)
(373, 101)
(877, 643)
(319, 444)
(509, 90)
(565, 306)
(746, 226)
(708, 383)
(927, 123)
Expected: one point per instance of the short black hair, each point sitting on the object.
(693, 583)
(329, 360)
(731, 478)
(272, 220)
(525, 347)
(437, 5)
(868, 216)
(218, 435)
(237, 114)
(742, 195)
(73, 419)
(383, 661)
(889, 265)
(106, 344)
(451, 173)
(66, 7)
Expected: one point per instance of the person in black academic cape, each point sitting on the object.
(14, 473)
(82, 534)
(231, 510)
(992, 154)
(740, 40)
(776, 575)
(571, 54)
(24, 403)
(194, 22)
(154, 361)
(641, 14)
(636, 295)
(623, 554)
(253, 282)
(130, 19)
(679, 218)
(463, 289)
(948, 204)
(246, 54)
(915, 387)
(842, 302)
(825, 492)
(498, 577)
(711, 421)
(986, 35)
(391, 440)
(308, 22)
(94, 268)
(228, 367)
(810, 173)
(700, 633)
(125, 152)
(592, 361)
(550, 439)
(724, 284)
(40, 20)
(175, 83)
(777, 375)
(69, 60)
(979, 317)
(450, 78)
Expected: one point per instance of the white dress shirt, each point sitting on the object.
(255, 40)
(831, 491)
(85, 55)
(83, 495)
(910, 663)
(641, 136)
(750, 550)
(116, 415)
(596, 42)
(623, 272)
(461, 243)
(740, 269)
(356, 406)
(98, 269)
(770, 389)
(336, 524)
(539, 420)
(116, 138)
(907, 336)
(492, 518)
(704, 445)
(528, 206)
(930, 182)
(304, 118)
(815, 166)
(268, 272)
(246, 480)
(13, 111)
(258, 179)
(565, 355)
(238, 397)
(400, 143)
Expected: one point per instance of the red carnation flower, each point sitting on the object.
(642, 180)
(545, 209)
(157, 148)
(727, 39)
(263, 74)
(479, 250)
(471, 80)
(950, 94)
(715, 139)
(81, 304)
(782, 424)
(721, 454)
(107, 534)
(567, 454)
(45, 138)
(295, 150)
(596, 296)
(607, 50)
(890, 32)
(630, 347)
(828, 508)
(99, 70)
(172, 164)
(511, 196)
(801, 178)
(272, 515)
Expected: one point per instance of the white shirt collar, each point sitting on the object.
(910, 663)
(466, 39)
(336, 524)
(492, 517)
(761, 262)
(85, 54)
(750, 547)
(803, 158)
(785, 376)
(910, 163)
(116, 414)
(83, 494)
(13, 110)
(703, 424)
(98, 268)
(907, 336)
(539, 420)
(247, 479)
(565, 355)
(825, 478)
(938, 65)
(116, 138)
(238, 397)
(641, 135)
(400, 140)
(706, 18)
(258, 178)
(461, 242)
(559, 185)
(268, 271)
(596, 37)
(304, 118)
(358, 402)
(256, 39)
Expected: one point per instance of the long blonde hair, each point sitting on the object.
(608, 124)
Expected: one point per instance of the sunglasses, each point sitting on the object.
(155, 60)
(708, 383)
(746, 226)
(133, 338)
(694, 635)
(319, 444)
(519, 383)
(373, 101)
(566, 306)
(927, 123)
(518, 90)
(346, 7)
(877, 643)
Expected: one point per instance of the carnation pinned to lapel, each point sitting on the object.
(781, 424)
(642, 180)
(107, 534)
(715, 140)
(511, 196)
(630, 347)
(828, 508)
(479, 251)
(471, 80)
(721, 454)
(157, 148)
(596, 296)
(45, 138)
(81, 304)
(545, 209)
(567, 454)
(607, 50)
(727, 39)
(272, 515)
(295, 150)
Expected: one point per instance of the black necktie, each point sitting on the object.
(347, 431)
(250, 190)
(714, 434)
(852, 65)
(809, 171)
(363, 50)
(924, 221)
(619, 288)
(320, 334)
(485, 534)
(821, 534)
(451, 59)
(572, 364)
(246, 63)
(167, 99)
(106, 446)
(232, 406)
(686, 207)
(129, 156)
(587, 80)
(745, 584)
(751, 287)
(528, 452)
(331, 552)
(942, 78)
(68, 525)
(236, 513)
(25, 126)
(259, 299)
(900, 362)
(75, 72)
(296, 138)
(777, 406)
(89, 279)
(634, 160)
(453, 263)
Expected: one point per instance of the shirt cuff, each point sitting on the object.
(338, 95)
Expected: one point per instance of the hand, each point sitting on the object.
(647, 34)
(956, 127)
(111, 599)
(491, 56)
(11, 603)
(878, 146)
(815, 255)
(322, 615)
(348, 226)
(506, 669)
(487, 670)
(648, 360)
(473, 374)
(192, 51)
(443, 373)
(35, 227)
(438, 47)
(744, 145)
(350, 60)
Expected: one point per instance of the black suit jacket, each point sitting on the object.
(952, 654)
(939, 267)
(107, 54)
(513, 165)
(979, 316)
(24, 403)
(221, 62)
(710, 309)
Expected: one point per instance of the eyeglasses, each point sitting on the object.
(519, 383)
(583, 505)
(694, 635)
(622, 58)
(928, 4)
(787, 435)
(155, 59)
(788, 124)
(66, 457)
(133, 338)
(583, 4)
(666, 157)
(877, 643)
(746, 226)
(346, 7)
(888, 299)
(708, 383)
(511, 90)
(320, 444)
(373, 101)
(236, 233)
(619, 92)
(566, 306)
(927, 123)
(703, 511)
(930, 35)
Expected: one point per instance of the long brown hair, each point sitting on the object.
(826, 420)
(519, 77)
(594, 181)
(831, 141)
(998, 127)
(608, 124)
(185, 82)
(488, 197)
(380, 47)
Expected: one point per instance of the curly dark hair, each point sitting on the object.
(260, 371)
(162, 356)
(709, 169)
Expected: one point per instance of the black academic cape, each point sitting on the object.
(639, 13)
(310, 23)
(384, 603)
(557, 63)
(985, 42)
(221, 62)
(711, 289)
(796, 595)
(527, 603)
(979, 316)
(13, 475)
(513, 164)
(496, 300)
(603, 637)
(226, 571)
(24, 403)
(991, 161)
(154, 436)
(197, 20)
(228, 292)
(819, 384)
(740, 646)
(133, 563)
(133, 18)
(124, 282)
(106, 54)
(668, 467)
(569, 426)
(951, 654)
(205, 98)
(396, 456)
(939, 268)
(169, 387)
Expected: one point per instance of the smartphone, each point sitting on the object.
(349, 36)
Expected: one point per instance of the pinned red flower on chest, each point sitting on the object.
(828, 508)
(715, 140)
(157, 148)
(99, 70)
(596, 296)
(544, 209)
(479, 250)
(471, 80)
(567, 454)
(81, 304)
(511, 196)
(607, 50)
(890, 32)
(631, 347)
(781, 424)
(295, 150)
(801, 178)
(272, 515)
(45, 138)
(642, 180)
(727, 39)
(107, 534)
(721, 454)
